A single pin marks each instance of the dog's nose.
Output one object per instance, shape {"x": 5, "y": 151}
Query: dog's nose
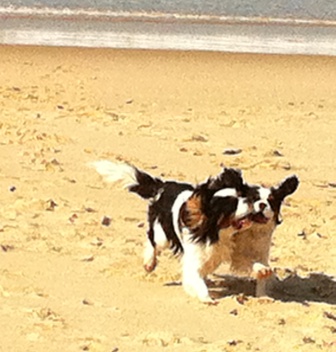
{"x": 262, "y": 206}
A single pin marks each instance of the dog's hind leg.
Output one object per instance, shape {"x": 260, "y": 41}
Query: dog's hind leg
{"x": 150, "y": 260}
{"x": 156, "y": 242}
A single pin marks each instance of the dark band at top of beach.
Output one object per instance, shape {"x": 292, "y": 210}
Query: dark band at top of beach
{"x": 300, "y": 9}
{"x": 250, "y": 26}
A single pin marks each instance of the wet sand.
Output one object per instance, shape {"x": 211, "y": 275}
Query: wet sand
{"x": 68, "y": 283}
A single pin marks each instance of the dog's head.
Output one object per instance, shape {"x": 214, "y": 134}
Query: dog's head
{"x": 267, "y": 201}
{"x": 209, "y": 210}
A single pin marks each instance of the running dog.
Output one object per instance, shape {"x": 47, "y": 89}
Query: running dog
{"x": 193, "y": 220}
{"x": 221, "y": 220}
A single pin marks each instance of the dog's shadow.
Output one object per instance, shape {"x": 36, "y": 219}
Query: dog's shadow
{"x": 317, "y": 287}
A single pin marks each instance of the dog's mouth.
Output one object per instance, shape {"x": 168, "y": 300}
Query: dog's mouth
{"x": 242, "y": 223}
{"x": 259, "y": 218}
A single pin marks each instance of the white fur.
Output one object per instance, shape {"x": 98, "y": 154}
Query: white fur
{"x": 264, "y": 193}
{"x": 192, "y": 280}
{"x": 150, "y": 253}
{"x": 243, "y": 208}
{"x": 179, "y": 201}
{"x": 201, "y": 260}
{"x": 160, "y": 237}
{"x": 262, "y": 273}
{"x": 226, "y": 192}
{"x": 149, "y": 256}
{"x": 113, "y": 172}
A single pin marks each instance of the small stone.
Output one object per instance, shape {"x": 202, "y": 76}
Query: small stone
{"x": 6, "y": 247}
{"x": 88, "y": 259}
{"x": 90, "y": 210}
{"x": 232, "y": 151}
{"x": 277, "y": 153}
{"x": 106, "y": 221}
{"x": 241, "y": 299}
{"x": 73, "y": 217}
{"x": 199, "y": 138}
{"x": 308, "y": 340}
{"x": 286, "y": 166}
{"x": 303, "y": 235}
{"x": 234, "y": 312}
{"x": 329, "y": 315}
{"x": 87, "y": 302}
{"x": 234, "y": 342}
{"x": 51, "y": 205}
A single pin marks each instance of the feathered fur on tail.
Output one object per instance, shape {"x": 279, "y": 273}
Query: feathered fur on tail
{"x": 134, "y": 180}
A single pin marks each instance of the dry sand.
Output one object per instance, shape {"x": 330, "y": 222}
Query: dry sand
{"x": 68, "y": 283}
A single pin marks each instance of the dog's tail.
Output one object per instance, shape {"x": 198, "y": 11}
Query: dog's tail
{"x": 135, "y": 180}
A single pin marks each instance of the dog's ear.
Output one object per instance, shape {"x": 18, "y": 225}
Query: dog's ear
{"x": 192, "y": 213}
{"x": 285, "y": 188}
{"x": 279, "y": 193}
{"x": 228, "y": 178}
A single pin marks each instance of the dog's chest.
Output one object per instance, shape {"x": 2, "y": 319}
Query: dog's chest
{"x": 214, "y": 254}
{"x": 251, "y": 246}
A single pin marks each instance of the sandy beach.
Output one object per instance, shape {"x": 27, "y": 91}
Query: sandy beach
{"x": 69, "y": 283}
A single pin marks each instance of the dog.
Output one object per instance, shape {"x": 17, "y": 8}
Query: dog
{"x": 196, "y": 221}
{"x": 223, "y": 220}
{"x": 248, "y": 250}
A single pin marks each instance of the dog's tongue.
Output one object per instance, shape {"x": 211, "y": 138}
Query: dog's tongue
{"x": 242, "y": 223}
{"x": 260, "y": 218}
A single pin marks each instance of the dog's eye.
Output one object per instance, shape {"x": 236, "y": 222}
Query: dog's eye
{"x": 262, "y": 206}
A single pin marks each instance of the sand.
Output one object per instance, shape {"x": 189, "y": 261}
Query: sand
{"x": 69, "y": 283}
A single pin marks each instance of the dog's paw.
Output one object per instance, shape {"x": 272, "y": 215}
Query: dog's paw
{"x": 209, "y": 301}
{"x": 149, "y": 267}
{"x": 261, "y": 272}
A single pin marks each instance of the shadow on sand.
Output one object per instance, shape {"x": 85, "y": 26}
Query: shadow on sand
{"x": 316, "y": 287}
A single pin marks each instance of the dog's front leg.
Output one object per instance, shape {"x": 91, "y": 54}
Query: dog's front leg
{"x": 261, "y": 273}
{"x": 193, "y": 282}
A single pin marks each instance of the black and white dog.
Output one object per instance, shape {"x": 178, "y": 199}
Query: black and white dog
{"x": 247, "y": 249}
{"x": 207, "y": 223}
{"x": 187, "y": 219}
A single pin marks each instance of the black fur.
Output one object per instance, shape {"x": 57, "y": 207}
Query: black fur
{"x": 164, "y": 193}
{"x": 278, "y": 194}
{"x": 217, "y": 213}
{"x": 228, "y": 178}
{"x": 147, "y": 186}
{"x": 161, "y": 209}
{"x": 287, "y": 187}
